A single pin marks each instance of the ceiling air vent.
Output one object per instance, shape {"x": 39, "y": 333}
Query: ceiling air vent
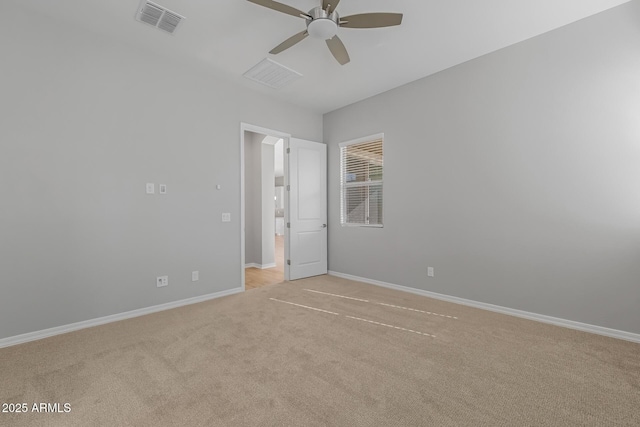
{"x": 272, "y": 74}
{"x": 158, "y": 16}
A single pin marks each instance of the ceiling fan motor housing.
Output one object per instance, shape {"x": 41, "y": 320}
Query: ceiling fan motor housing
{"x": 322, "y": 25}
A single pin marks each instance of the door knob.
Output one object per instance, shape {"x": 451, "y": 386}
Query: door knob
{"x": 323, "y": 226}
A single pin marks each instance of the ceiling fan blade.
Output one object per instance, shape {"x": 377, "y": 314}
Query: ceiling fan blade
{"x": 330, "y": 4}
{"x": 338, "y": 50}
{"x": 371, "y": 20}
{"x": 289, "y": 42}
{"x": 282, "y": 8}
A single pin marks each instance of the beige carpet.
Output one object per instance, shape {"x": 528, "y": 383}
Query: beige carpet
{"x": 255, "y": 359}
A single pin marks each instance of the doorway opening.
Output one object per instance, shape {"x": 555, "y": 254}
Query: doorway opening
{"x": 264, "y": 207}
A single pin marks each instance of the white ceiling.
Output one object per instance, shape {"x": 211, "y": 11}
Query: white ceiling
{"x": 228, "y": 37}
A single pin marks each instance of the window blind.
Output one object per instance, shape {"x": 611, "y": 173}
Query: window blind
{"x": 361, "y": 167}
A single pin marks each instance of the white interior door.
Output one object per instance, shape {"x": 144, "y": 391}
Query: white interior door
{"x": 307, "y": 191}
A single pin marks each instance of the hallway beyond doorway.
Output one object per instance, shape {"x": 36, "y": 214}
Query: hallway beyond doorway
{"x": 255, "y": 277}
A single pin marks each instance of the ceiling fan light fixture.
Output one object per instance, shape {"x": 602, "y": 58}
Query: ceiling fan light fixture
{"x": 323, "y": 23}
{"x": 322, "y": 28}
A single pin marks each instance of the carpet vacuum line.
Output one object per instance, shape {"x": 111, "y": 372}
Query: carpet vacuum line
{"x": 384, "y": 304}
{"x": 355, "y": 318}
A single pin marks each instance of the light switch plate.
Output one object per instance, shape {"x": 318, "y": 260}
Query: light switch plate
{"x": 163, "y": 188}
{"x": 151, "y": 188}
{"x": 195, "y": 276}
{"x": 226, "y": 217}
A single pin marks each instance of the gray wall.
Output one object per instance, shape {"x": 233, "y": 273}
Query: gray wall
{"x": 515, "y": 175}
{"x": 85, "y": 123}
{"x": 253, "y": 197}
{"x": 268, "y": 206}
{"x": 259, "y": 204}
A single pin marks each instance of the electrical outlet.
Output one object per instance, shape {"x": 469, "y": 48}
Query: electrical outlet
{"x": 195, "y": 276}
{"x": 430, "y": 271}
{"x": 162, "y": 281}
{"x": 151, "y": 188}
{"x": 226, "y": 217}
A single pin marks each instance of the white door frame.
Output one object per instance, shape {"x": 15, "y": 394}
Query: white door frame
{"x": 285, "y": 136}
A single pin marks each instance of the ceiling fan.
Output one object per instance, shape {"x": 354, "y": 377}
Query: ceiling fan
{"x": 323, "y": 23}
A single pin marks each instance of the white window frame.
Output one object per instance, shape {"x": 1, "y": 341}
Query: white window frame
{"x": 344, "y": 185}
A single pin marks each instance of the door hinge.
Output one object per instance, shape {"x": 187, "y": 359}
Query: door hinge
{"x": 288, "y": 262}
{"x": 288, "y": 188}
{"x": 288, "y": 150}
{"x": 288, "y": 225}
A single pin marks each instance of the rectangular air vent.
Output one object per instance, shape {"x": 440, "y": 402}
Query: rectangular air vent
{"x": 158, "y": 16}
{"x": 272, "y": 74}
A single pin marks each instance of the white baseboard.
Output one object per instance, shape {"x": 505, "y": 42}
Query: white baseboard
{"x": 585, "y": 327}
{"x": 45, "y": 333}
{"x": 260, "y": 266}
{"x": 272, "y": 265}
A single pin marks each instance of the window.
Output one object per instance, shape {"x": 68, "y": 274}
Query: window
{"x": 361, "y": 164}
